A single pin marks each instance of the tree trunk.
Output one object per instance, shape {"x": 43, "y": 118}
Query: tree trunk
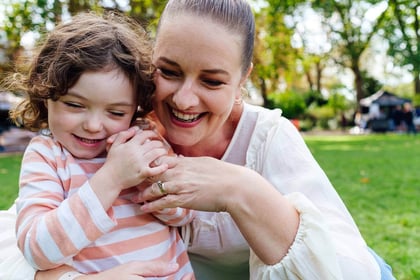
{"x": 263, "y": 88}
{"x": 358, "y": 82}
{"x": 319, "y": 70}
{"x": 309, "y": 79}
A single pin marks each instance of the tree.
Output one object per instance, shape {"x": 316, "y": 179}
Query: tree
{"x": 273, "y": 55}
{"x": 403, "y": 35}
{"x": 22, "y": 17}
{"x": 38, "y": 16}
{"x": 352, "y": 29}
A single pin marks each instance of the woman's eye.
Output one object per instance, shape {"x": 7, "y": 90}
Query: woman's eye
{"x": 168, "y": 73}
{"x": 212, "y": 83}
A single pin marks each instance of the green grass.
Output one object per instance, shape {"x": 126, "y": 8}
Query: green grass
{"x": 378, "y": 178}
{"x": 9, "y": 175}
{"x": 376, "y": 175}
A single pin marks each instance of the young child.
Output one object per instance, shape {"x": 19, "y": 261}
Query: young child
{"x": 91, "y": 79}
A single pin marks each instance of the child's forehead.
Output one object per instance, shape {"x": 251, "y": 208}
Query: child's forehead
{"x": 112, "y": 83}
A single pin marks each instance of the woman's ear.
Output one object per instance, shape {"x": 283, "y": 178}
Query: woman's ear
{"x": 250, "y": 68}
{"x": 246, "y": 76}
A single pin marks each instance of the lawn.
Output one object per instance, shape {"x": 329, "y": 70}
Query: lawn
{"x": 379, "y": 180}
{"x": 376, "y": 175}
{"x": 9, "y": 174}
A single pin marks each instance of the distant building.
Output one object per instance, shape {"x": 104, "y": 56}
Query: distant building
{"x": 379, "y": 108}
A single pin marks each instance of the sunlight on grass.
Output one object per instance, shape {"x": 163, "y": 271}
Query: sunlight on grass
{"x": 377, "y": 178}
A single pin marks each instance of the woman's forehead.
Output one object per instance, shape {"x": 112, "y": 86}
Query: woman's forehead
{"x": 192, "y": 35}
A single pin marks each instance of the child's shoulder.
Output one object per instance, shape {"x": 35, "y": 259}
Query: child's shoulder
{"x": 42, "y": 139}
{"x": 44, "y": 144}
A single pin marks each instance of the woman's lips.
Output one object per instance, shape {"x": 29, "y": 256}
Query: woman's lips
{"x": 184, "y": 117}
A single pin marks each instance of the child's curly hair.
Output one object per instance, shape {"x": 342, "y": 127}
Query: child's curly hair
{"x": 89, "y": 42}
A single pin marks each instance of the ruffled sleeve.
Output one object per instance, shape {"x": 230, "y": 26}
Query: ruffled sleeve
{"x": 312, "y": 254}
{"x": 327, "y": 235}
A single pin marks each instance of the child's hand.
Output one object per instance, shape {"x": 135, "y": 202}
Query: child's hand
{"x": 132, "y": 159}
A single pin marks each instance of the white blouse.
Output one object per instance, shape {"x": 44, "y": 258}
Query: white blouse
{"x": 328, "y": 244}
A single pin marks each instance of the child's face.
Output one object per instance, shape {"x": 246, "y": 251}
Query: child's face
{"x": 98, "y": 105}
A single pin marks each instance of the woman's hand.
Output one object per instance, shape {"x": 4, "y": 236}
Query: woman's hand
{"x": 208, "y": 184}
{"x": 200, "y": 183}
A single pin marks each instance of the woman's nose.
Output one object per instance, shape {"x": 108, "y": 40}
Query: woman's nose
{"x": 186, "y": 96}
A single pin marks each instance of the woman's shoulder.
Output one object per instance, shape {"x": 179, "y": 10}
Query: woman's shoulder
{"x": 266, "y": 120}
{"x": 270, "y": 130}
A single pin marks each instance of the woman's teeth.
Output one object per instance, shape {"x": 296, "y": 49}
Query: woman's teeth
{"x": 185, "y": 117}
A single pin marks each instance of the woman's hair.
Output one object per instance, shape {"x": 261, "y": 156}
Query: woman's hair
{"x": 88, "y": 42}
{"x": 234, "y": 15}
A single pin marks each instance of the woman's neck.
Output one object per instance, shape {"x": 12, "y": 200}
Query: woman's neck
{"x": 198, "y": 150}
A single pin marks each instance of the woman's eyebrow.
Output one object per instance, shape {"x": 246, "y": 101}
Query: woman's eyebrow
{"x": 168, "y": 61}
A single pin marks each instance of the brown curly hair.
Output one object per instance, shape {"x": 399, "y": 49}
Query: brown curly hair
{"x": 89, "y": 42}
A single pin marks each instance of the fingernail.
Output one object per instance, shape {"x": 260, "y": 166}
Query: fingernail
{"x": 173, "y": 266}
{"x": 145, "y": 207}
{"x": 136, "y": 199}
{"x": 157, "y": 162}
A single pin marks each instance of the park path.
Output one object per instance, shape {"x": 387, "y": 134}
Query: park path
{"x": 14, "y": 140}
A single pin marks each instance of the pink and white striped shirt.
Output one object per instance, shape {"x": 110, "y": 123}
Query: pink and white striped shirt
{"x": 60, "y": 219}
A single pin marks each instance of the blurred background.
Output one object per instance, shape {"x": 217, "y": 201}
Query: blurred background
{"x": 317, "y": 60}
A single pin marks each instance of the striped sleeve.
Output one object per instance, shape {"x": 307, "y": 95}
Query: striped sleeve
{"x": 51, "y": 227}
{"x": 175, "y": 217}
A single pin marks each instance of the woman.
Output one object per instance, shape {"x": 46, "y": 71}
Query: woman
{"x": 245, "y": 167}
{"x": 203, "y": 54}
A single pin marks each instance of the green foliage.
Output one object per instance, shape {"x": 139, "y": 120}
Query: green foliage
{"x": 377, "y": 178}
{"x": 370, "y": 84}
{"x": 314, "y": 97}
{"x": 338, "y": 103}
{"x": 291, "y": 103}
{"x": 349, "y": 33}
{"x": 39, "y": 16}
{"x": 416, "y": 100}
{"x": 402, "y": 33}
{"x": 273, "y": 54}
{"x": 9, "y": 176}
{"x": 321, "y": 115}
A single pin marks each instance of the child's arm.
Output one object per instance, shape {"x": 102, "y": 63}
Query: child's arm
{"x": 52, "y": 224}
{"x": 52, "y": 228}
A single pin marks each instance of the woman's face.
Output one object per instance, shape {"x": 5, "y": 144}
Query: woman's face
{"x": 197, "y": 80}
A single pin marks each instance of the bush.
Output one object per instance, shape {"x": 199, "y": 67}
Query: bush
{"x": 291, "y": 103}
{"x": 323, "y": 115}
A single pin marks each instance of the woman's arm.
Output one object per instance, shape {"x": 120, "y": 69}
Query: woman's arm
{"x": 208, "y": 184}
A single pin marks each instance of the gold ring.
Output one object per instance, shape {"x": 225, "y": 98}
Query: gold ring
{"x": 161, "y": 186}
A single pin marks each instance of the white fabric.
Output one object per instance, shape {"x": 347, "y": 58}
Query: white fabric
{"x": 328, "y": 244}
{"x": 12, "y": 264}
{"x": 312, "y": 247}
